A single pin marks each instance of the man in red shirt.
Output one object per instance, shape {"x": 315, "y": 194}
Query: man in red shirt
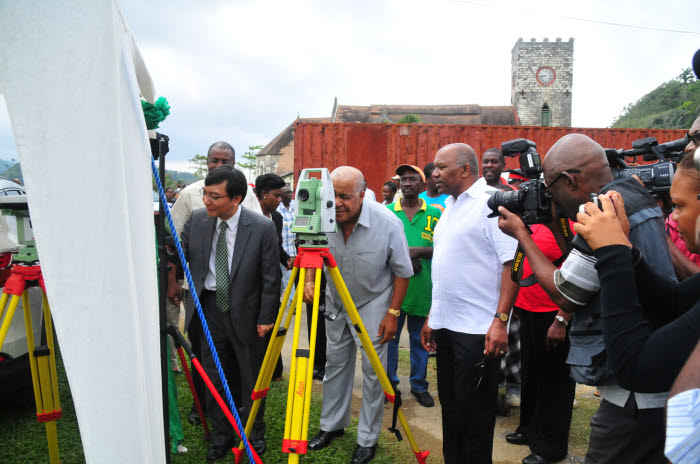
{"x": 547, "y": 391}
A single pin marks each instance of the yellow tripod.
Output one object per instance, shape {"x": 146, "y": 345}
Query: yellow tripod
{"x": 42, "y": 359}
{"x": 301, "y": 370}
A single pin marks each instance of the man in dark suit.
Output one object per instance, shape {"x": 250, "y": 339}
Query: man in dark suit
{"x": 233, "y": 256}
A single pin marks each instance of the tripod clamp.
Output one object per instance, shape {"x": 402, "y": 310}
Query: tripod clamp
{"x": 396, "y": 400}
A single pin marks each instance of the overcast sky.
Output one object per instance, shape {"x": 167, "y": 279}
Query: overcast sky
{"x": 241, "y": 71}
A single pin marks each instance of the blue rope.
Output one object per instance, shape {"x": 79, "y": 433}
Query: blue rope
{"x": 198, "y": 305}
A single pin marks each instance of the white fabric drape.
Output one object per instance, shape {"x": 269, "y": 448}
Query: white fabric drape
{"x": 67, "y": 71}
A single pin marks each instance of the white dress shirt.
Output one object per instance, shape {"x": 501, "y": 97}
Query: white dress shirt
{"x": 210, "y": 280}
{"x": 468, "y": 255}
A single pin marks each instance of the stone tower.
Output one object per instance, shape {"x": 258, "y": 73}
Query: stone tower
{"x": 542, "y": 82}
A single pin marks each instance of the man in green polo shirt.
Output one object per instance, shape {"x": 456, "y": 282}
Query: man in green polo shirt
{"x": 419, "y": 222}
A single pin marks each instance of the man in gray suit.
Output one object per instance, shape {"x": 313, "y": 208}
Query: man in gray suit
{"x": 234, "y": 260}
{"x": 372, "y": 254}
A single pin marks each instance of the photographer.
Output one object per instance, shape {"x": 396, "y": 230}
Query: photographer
{"x": 628, "y": 426}
{"x": 641, "y": 359}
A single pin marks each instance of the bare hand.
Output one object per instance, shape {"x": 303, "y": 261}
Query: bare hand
{"x": 290, "y": 264}
{"x": 264, "y": 329}
{"x": 415, "y": 253}
{"x": 556, "y": 335}
{"x": 511, "y": 224}
{"x": 496, "y": 339}
{"x": 173, "y": 294}
{"x": 309, "y": 292}
{"x": 417, "y": 266}
{"x": 602, "y": 228}
{"x": 426, "y": 338}
{"x": 387, "y": 328}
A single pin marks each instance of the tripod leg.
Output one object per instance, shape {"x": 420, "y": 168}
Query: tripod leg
{"x": 40, "y": 361}
{"x": 293, "y": 366}
{"x": 373, "y": 358}
{"x": 274, "y": 348}
{"x": 5, "y": 327}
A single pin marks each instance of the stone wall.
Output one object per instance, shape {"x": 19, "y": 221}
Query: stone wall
{"x": 528, "y": 96}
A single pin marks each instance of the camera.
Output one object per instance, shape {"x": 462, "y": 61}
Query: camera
{"x": 657, "y": 177}
{"x": 532, "y": 202}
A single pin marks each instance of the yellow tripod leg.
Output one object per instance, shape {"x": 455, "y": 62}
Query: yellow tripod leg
{"x": 5, "y": 327}
{"x": 293, "y": 366}
{"x": 372, "y": 355}
{"x": 3, "y": 303}
{"x": 39, "y": 362}
{"x": 274, "y": 348}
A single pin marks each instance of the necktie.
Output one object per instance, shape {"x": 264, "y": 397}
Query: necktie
{"x": 222, "y": 277}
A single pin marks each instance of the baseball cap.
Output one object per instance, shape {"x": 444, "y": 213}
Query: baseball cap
{"x": 412, "y": 167}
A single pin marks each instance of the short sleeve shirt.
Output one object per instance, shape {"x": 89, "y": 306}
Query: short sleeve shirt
{"x": 419, "y": 233}
{"x": 375, "y": 252}
{"x": 437, "y": 202}
{"x": 469, "y": 252}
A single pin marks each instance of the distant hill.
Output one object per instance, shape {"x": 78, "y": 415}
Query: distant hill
{"x": 6, "y": 164}
{"x": 673, "y": 105}
{"x": 182, "y": 177}
{"x": 12, "y": 172}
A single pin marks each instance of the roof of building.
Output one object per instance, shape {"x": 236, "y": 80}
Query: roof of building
{"x": 428, "y": 114}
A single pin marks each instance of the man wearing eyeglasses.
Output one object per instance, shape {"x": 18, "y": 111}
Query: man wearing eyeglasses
{"x": 234, "y": 261}
{"x": 628, "y": 426}
{"x": 693, "y": 136}
{"x": 188, "y": 200}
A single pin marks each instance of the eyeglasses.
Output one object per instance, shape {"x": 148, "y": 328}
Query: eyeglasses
{"x": 695, "y": 138}
{"x": 213, "y": 197}
{"x": 561, "y": 174}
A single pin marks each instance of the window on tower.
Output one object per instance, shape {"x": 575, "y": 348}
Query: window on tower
{"x": 546, "y": 119}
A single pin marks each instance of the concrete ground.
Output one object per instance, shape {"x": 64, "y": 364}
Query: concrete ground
{"x": 426, "y": 423}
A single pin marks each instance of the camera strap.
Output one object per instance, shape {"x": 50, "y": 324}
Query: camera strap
{"x": 516, "y": 270}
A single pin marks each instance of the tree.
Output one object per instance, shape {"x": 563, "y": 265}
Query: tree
{"x": 686, "y": 76}
{"x": 251, "y": 163}
{"x": 199, "y": 164}
{"x": 410, "y": 118}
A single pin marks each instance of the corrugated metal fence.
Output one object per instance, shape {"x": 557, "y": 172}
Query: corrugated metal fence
{"x": 376, "y": 149}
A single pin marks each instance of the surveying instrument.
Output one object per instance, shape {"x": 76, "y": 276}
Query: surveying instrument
{"x": 24, "y": 274}
{"x": 315, "y": 218}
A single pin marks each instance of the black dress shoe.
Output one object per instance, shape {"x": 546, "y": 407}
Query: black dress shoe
{"x": 217, "y": 453}
{"x": 424, "y": 398}
{"x": 193, "y": 418}
{"x": 260, "y": 446}
{"x": 323, "y": 439}
{"x": 535, "y": 459}
{"x": 318, "y": 374}
{"x": 363, "y": 454}
{"x": 517, "y": 438}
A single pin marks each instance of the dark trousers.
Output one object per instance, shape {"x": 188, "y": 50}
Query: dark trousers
{"x": 194, "y": 334}
{"x": 468, "y": 391}
{"x": 320, "y": 348}
{"x": 626, "y": 434}
{"x": 547, "y": 391}
{"x": 241, "y": 364}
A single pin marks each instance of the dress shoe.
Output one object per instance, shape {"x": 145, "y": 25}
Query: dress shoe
{"x": 323, "y": 439}
{"x": 363, "y": 454}
{"x": 424, "y": 398}
{"x": 217, "y": 453}
{"x": 193, "y": 418}
{"x": 517, "y": 438}
{"x": 535, "y": 459}
{"x": 318, "y": 374}
{"x": 260, "y": 446}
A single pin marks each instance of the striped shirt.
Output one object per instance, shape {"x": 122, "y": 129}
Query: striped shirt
{"x": 683, "y": 428}
{"x": 287, "y": 220}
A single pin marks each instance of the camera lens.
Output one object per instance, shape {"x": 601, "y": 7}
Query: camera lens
{"x": 512, "y": 201}
{"x": 303, "y": 195}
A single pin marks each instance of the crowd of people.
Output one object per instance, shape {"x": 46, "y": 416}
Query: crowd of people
{"x": 618, "y": 310}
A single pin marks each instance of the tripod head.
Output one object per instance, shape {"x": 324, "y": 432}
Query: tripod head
{"x": 315, "y": 216}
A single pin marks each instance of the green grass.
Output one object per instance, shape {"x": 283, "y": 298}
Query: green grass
{"x": 23, "y": 440}
{"x": 580, "y": 430}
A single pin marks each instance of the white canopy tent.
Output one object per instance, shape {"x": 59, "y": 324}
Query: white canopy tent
{"x": 71, "y": 76}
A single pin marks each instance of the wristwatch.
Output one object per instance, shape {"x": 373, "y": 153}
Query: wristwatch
{"x": 502, "y": 316}
{"x": 394, "y": 312}
{"x": 562, "y": 320}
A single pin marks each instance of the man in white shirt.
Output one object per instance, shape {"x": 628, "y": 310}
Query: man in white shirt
{"x": 470, "y": 307}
